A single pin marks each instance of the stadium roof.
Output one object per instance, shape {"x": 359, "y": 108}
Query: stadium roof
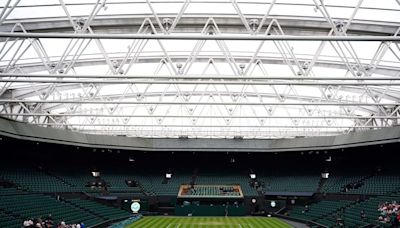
{"x": 201, "y": 68}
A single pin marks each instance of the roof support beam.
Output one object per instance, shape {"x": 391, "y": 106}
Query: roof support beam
{"x": 105, "y": 82}
{"x": 205, "y": 126}
{"x": 192, "y": 77}
{"x": 197, "y": 37}
{"x": 199, "y": 103}
{"x": 195, "y": 116}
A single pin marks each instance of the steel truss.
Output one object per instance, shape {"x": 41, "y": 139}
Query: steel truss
{"x": 197, "y": 37}
{"x": 152, "y": 90}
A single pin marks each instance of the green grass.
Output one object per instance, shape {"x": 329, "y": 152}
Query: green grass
{"x": 208, "y": 222}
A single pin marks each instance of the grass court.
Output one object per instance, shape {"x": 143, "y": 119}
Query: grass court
{"x": 209, "y": 222}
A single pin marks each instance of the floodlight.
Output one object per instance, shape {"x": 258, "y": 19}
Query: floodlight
{"x": 325, "y": 175}
{"x": 253, "y": 176}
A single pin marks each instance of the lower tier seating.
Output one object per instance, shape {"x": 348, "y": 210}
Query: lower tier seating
{"x": 104, "y": 211}
{"x": 14, "y": 209}
{"x": 319, "y": 211}
{"x": 327, "y": 212}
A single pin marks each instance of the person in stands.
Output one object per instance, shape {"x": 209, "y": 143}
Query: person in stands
{"x": 363, "y": 216}
{"x": 62, "y": 224}
{"x": 394, "y": 221}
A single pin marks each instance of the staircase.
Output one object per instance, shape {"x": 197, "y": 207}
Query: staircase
{"x": 142, "y": 190}
{"x": 85, "y": 209}
{"x": 194, "y": 176}
{"x": 331, "y": 216}
{"x": 58, "y": 178}
{"x": 320, "y": 184}
{"x": 360, "y": 181}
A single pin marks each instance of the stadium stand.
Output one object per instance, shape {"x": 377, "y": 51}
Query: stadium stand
{"x": 320, "y": 210}
{"x": 363, "y": 183}
{"x": 63, "y": 190}
{"x": 228, "y": 179}
{"x": 290, "y": 183}
{"x": 106, "y": 212}
{"x": 76, "y": 181}
{"x": 337, "y": 182}
{"x": 38, "y": 205}
{"x": 115, "y": 108}
{"x": 17, "y": 205}
{"x": 328, "y": 212}
{"x": 33, "y": 180}
{"x": 211, "y": 191}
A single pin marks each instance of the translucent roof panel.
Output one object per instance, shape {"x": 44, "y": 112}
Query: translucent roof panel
{"x": 194, "y": 87}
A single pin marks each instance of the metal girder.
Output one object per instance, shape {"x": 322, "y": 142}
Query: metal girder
{"x": 205, "y": 82}
{"x": 197, "y": 37}
{"x": 205, "y": 126}
{"x": 195, "y": 116}
{"x": 195, "y": 77}
{"x": 388, "y": 70}
{"x": 52, "y": 106}
{"x": 199, "y": 93}
{"x": 199, "y": 103}
{"x": 228, "y": 23}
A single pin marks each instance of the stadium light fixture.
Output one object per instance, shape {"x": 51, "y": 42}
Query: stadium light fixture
{"x": 325, "y": 175}
{"x": 253, "y": 176}
{"x": 95, "y": 173}
{"x": 329, "y": 159}
{"x": 168, "y": 175}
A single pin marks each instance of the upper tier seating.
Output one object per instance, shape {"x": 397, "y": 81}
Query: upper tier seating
{"x": 293, "y": 183}
{"x": 379, "y": 184}
{"x": 376, "y": 184}
{"x": 33, "y": 180}
{"x": 289, "y": 181}
{"x": 155, "y": 184}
